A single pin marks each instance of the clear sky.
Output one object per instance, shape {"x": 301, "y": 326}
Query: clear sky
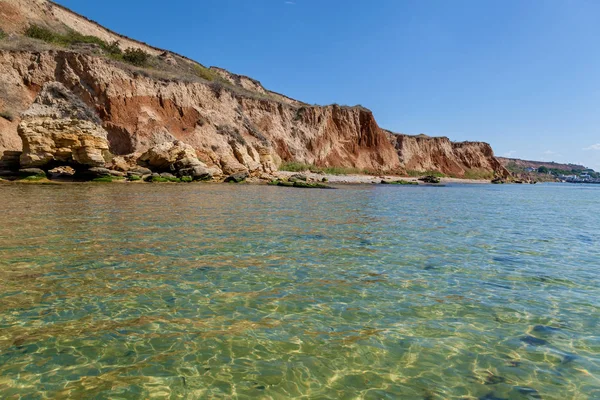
{"x": 523, "y": 75}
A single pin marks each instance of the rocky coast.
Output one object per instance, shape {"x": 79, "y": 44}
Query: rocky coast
{"x": 81, "y": 102}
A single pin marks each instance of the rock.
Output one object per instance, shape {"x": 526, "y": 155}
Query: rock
{"x": 141, "y": 171}
{"x": 298, "y": 177}
{"x": 237, "y": 177}
{"x": 120, "y": 174}
{"x": 7, "y": 173}
{"x": 60, "y": 129}
{"x": 197, "y": 172}
{"x": 121, "y": 163}
{"x": 167, "y": 175}
{"x": 299, "y": 184}
{"x": 306, "y": 185}
{"x": 25, "y": 172}
{"x": 168, "y": 58}
{"x": 498, "y": 181}
{"x": 64, "y": 171}
{"x": 9, "y": 160}
{"x": 174, "y": 154}
{"x": 285, "y": 184}
{"x": 430, "y": 179}
{"x": 401, "y": 182}
{"x": 95, "y": 172}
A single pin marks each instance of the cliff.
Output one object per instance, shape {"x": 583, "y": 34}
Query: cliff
{"x": 523, "y": 164}
{"x": 233, "y": 123}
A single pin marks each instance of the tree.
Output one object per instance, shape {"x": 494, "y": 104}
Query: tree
{"x": 543, "y": 170}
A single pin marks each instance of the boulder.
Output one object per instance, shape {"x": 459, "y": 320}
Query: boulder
{"x": 59, "y": 129}
{"x": 167, "y": 175}
{"x": 197, "y": 172}
{"x": 96, "y": 172}
{"x": 430, "y": 179}
{"x": 119, "y": 174}
{"x": 25, "y": 172}
{"x": 169, "y": 156}
{"x": 64, "y": 171}
{"x": 141, "y": 171}
{"x": 177, "y": 158}
{"x": 238, "y": 177}
{"x": 298, "y": 177}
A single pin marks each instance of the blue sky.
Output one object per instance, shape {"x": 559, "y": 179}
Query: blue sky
{"x": 523, "y": 75}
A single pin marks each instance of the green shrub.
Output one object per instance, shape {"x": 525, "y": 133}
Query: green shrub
{"x": 344, "y": 171}
{"x": 187, "y": 179}
{"x": 2, "y": 34}
{"x": 415, "y": 173}
{"x": 41, "y": 33}
{"x": 7, "y": 116}
{"x": 160, "y": 179}
{"x": 134, "y": 56}
{"x": 295, "y": 167}
{"x": 479, "y": 174}
{"x": 206, "y": 73}
{"x": 134, "y": 178}
{"x": 137, "y": 57}
{"x": 301, "y": 167}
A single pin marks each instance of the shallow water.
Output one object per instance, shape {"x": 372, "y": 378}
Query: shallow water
{"x": 220, "y": 291}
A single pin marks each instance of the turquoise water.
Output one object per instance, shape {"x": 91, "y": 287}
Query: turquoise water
{"x": 218, "y": 291}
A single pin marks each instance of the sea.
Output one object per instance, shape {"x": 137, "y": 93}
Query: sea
{"x": 210, "y": 291}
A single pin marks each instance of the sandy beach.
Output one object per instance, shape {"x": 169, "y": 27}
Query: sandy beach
{"x": 368, "y": 179}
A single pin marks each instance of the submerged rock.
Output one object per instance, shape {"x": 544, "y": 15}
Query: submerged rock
{"x": 400, "y": 182}
{"x": 533, "y": 341}
{"x": 59, "y": 129}
{"x": 299, "y": 184}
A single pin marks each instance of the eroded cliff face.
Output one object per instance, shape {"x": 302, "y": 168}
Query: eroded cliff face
{"x": 230, "y": 131}
{"x": 58, "y": 129}
{"x": 459, "y": 159}
{"x": 231, "y": 121}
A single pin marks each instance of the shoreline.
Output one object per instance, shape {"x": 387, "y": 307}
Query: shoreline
{"x": 350, "y": 179}
{"x": 371, "y": 179}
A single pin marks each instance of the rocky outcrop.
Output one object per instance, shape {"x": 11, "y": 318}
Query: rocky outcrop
{"x": 59, "y": 129}
{"x": 459, "y": 159}
{"x": 176, "y": 157}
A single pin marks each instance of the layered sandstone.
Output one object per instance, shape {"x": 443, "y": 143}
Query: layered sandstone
{"x": 59, "y": 129}
{"x": 424, "y": 153}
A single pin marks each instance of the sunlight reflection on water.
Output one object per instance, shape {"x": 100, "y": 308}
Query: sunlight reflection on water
{"x": 196, "y": 291}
